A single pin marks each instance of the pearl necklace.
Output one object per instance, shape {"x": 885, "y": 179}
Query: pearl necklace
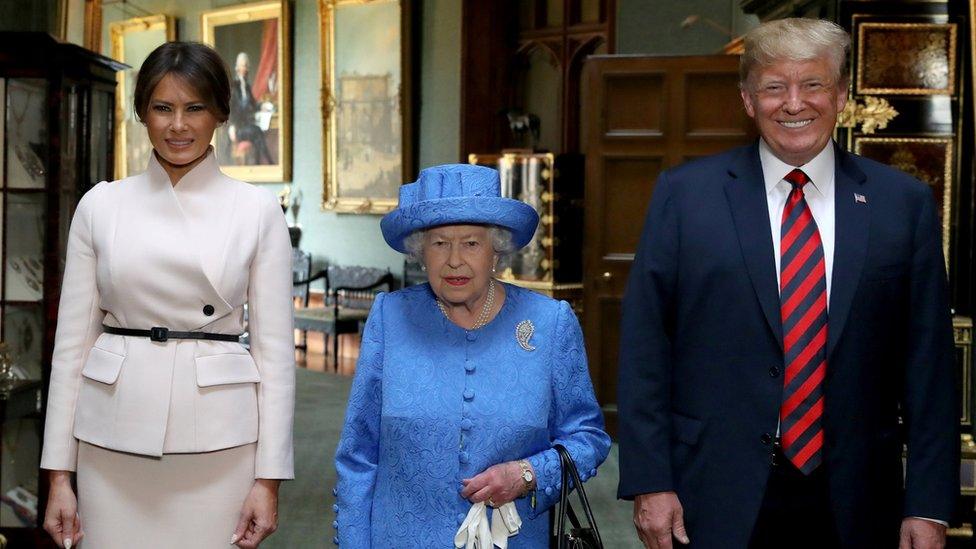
{"x": 485, "y": 308}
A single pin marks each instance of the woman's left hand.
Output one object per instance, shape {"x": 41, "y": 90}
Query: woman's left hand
{"x": 259, "y": 516}
{"x": 500, "y": 483}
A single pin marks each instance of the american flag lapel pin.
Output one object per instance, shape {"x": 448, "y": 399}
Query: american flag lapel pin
{"x": 860, "y": 198}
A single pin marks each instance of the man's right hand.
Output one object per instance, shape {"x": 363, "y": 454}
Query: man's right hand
{"x": 658, "y": 518}
{"x": 61, "y": 519}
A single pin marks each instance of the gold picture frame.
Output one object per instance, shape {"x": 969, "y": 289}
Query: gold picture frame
{"x": 132, "y": 41}
{"x": 254, "y": 40}
{"x": 365, "y": 104}
{"x": 929, "y": 159}
{"x": 888, "y": 55}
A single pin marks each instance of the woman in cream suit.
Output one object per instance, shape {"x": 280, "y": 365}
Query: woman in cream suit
{"x": 178, "y": 435}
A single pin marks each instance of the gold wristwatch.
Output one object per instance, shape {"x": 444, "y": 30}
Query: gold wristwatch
{"x": 527, "y": 476}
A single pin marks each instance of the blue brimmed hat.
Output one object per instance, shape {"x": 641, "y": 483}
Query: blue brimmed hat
{"x": 457, "y": 194}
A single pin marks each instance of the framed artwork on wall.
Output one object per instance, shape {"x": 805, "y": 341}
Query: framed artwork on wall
{"x": 366, "y": 98}
{"x": 928, "y": 159}
{"x": 906, "y": 58}
{"x": 132, "y": 41}
{"x": 253, "y": 39}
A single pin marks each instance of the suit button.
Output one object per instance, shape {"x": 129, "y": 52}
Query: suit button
{"x": 766, "y": 439}
{"x": 208, "y": 310}
{"x": 460, "y": 518}
{"x": 773, "y": 371}
{"x": 468, "y": 394}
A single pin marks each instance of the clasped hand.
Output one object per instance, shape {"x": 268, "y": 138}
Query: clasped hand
{"x": 499, "y": 483}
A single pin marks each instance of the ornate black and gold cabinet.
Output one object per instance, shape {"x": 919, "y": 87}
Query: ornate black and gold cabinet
{"x": 551, "y": 263}
{"x": 56, "y": 106}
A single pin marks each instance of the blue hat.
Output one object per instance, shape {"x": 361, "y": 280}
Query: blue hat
{"x": 457, "y": 194}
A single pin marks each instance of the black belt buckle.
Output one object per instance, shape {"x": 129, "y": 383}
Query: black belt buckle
{"x": 158, "y": 333}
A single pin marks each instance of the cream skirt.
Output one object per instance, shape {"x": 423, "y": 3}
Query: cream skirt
{"x": 190, "y": 501}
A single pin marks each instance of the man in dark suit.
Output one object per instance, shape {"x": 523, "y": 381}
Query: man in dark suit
{"x": 243, "y": 107}
{"x": 786, "y": 329}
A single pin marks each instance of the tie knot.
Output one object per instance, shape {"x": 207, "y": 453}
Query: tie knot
{"x": 797, "y": 178}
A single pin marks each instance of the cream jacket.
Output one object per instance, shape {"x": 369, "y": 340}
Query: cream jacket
{"x": 143, "y": 253}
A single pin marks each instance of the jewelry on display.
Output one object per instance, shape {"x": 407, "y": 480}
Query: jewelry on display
{"x": 485, "y": 308}
{"x": 25, "y": 155}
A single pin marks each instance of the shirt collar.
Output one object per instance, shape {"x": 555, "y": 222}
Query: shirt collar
{"x": 203, "y": 171}
{"x": 820, "y": 169}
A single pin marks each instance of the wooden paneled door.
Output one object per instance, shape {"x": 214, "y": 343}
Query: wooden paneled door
{"x": 641, "y": 115}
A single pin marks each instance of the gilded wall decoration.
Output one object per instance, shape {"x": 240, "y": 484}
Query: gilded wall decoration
{"x": 132, "y": 41}
{"x": 253, "y": 39}
{"x": 363, "y": 98}
{"x": 873, "y": 115}
{"x": 928, "y": 159}
{"x": 906, "y": 58}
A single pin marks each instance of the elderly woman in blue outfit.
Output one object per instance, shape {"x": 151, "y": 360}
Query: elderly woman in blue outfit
{"x": 464, "y": 384}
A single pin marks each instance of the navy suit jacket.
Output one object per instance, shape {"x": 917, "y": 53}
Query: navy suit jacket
{"x": 701, "y": 355}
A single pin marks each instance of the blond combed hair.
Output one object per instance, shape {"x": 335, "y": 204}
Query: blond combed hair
{"x": 795, "y": 39}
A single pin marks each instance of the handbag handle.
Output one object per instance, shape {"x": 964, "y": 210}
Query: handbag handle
{"x": 569, "y": 472}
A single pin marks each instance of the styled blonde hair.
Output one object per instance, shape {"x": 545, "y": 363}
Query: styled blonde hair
{"x": 795, "y": 39}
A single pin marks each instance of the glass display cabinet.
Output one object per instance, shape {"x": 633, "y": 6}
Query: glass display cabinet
{"x": 56, "y": 107}
{"x": 552, "y": 262}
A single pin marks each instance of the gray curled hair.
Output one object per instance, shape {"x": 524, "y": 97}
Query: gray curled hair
{"x": 795, "y": 39}
{"x": 501, "y": 242}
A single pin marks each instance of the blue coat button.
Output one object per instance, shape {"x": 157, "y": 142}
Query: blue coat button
{"x": 469, "y": 367}
{"x": 463, "y": 458}
{"x": 335, "y": 524}
{"x": 335, "y": 540}
{"x": 468, "y": 394}
{"x": 548, "y": 490}
{"x": 466, "y": 424}
{"x": 460, "y": 518}
{"x": 471, "y": 336}
{"x": 335, "y": 508}
{"x": 592, "y": 472}
{"x": 335, "y": 491}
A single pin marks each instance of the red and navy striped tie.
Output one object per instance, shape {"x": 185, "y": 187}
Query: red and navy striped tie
{"x": 803, "y": 298}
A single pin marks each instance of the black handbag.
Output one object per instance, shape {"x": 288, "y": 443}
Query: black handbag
{"x": 579, "y": 536}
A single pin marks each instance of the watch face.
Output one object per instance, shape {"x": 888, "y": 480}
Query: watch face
{"x": 527, "y": 476}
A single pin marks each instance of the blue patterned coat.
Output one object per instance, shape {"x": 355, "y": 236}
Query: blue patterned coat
{"x": 432, "y": 404}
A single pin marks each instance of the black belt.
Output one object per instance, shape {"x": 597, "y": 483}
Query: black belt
{"x": 158, "y": 333}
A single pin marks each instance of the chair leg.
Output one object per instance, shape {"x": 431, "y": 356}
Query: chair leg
{"x": 335, "y": 350}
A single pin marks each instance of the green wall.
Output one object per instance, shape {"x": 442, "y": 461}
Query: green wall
{"x": 643, "y": 26}
{"x": 344, "y": 239}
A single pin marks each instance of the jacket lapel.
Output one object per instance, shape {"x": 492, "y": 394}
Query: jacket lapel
{"x": 185, "y": 239}
{"x": 851, "y": 222}
{"x": 746, "y": 194}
